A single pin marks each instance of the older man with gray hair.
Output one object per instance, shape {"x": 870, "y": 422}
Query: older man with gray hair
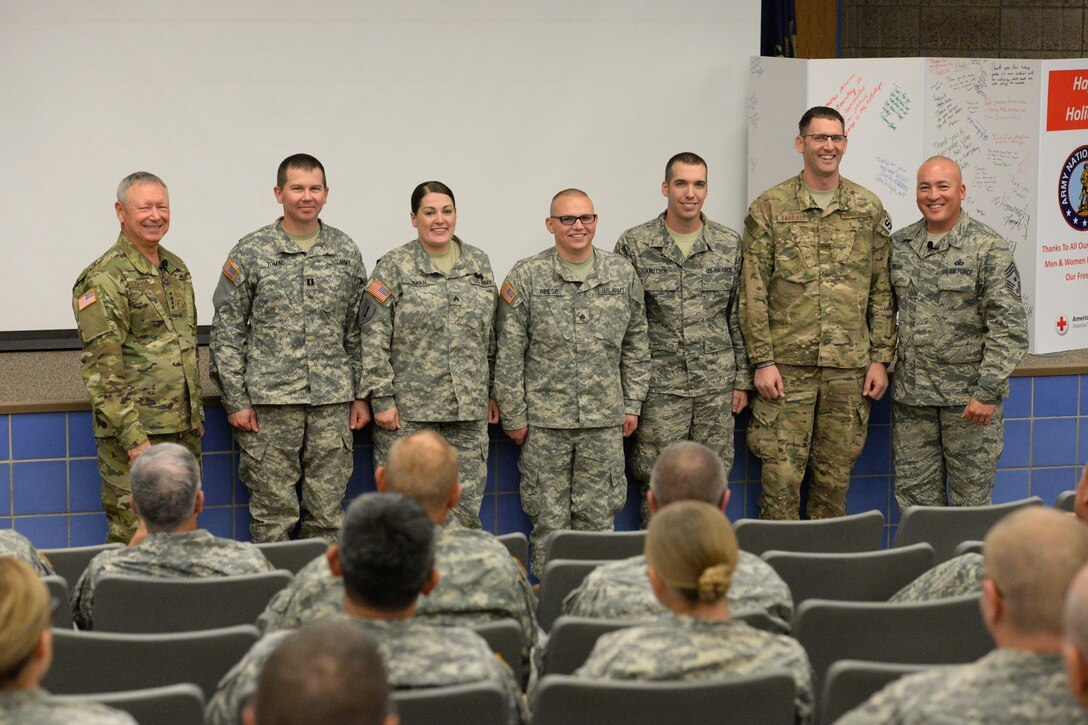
{"x": 166, "y": 496}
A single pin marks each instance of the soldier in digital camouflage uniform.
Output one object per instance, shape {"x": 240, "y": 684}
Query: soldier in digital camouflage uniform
{"x": 621, "y": 590}
{"x": 571, "y": 373}
{"x": 385, "y": 556}
{"x": 819, "y": 323}
{"x": 287, "y": 357}
{"x": 12, "y": 543}
{"x": 953, "y": 578}
{"x": 1032, "y": 556}
{"x": 136, "y": 314}
{"x": 166, "y": 494}
{"x": 689, "y": 267}
{"x": 429, "y": 343}
{"x": 962, "y": 331}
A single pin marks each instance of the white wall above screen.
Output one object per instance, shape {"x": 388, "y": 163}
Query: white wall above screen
{"x": 507, "y": 102}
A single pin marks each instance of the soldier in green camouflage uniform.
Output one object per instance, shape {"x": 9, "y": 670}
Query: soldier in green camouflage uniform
{"x": 166, "y": 494}
{"x": 962, "y": 331}
{"x": 12, "y": 543}
{"x": 819, "y": 322}
{"x": 136, "y": 314}
{"x": 689, "y": 267}
{"x": 571, "y": 373}
{"x": 429, "y": 343}
{"x": 287, "y": 357}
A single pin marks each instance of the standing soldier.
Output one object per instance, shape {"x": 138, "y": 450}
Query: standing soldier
{"x": 287, "y": 357}
{"x": 689, "y": 267}
{"x": 136, "y": 314}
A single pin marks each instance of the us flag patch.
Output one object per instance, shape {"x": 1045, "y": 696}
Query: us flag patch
{"x": 87, "y": 299}
{"x": 380, "y": 291}
{"x": 508, "y": 292}
{"x": 230, "y": 269}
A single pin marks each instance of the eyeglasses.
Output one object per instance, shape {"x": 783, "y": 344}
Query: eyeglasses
{"x": 823, "y": 137}
{"x": 568, "y": 220}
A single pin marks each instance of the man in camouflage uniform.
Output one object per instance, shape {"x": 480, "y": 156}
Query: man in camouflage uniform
{"x": 684, "y": 471}
{"x": 1032, "y": 556}
{"x": 12, "y": 543}
{"x": 167, "y": 497}
{"x": 571, "y": 373}
{"x": 962, "y": 331}
{"x": 136, "y": 314}
{"x": 386, "y": 557}
{"x": 819, "y": 322}
{"x": 287, "y": 357}
{"x": 688, "y": 266}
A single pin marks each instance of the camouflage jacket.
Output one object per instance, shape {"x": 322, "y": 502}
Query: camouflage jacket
{"x": 190, "y": 554}
{"x": 815, "y": 285}
{"x": 953, "y": 578}
{"x": 962, "y": 328}
{"x": 12, "y": 543}
{"x": 286, "y": 327}
{"x": 428, "y": 337}
{"x": 692, "y": 308}
{"x": 137, "y": 323}
{"x": 571, "y": 354}
{"x": 34, "y": 707}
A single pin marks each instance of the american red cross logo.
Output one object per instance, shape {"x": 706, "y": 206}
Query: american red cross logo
{"x": 1061, "y": 324}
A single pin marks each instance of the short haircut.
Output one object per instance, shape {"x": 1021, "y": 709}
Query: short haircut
{"x": 819, "y": 112}
{"x": 326, "y": 673}
{"x": 423, "y": 466}
{"x": 692, "y": 548}
{"x": 684, "y": 157}
{"x": 1031, "y": 556}
{"x": 386, "y": 550}
{"x": 430, "y": 187}
{"x": 688, "y": 471}
{"x": 1076, "y": 612}
{"x": 302, "y": 162}
{"x": 137, "y": 177}
{"x": 165, "y": 480}
{"x": 24, "y": 615}
{"x": 567, "y": 192}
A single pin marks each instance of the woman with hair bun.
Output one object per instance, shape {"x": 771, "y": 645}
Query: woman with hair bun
{"x": 691, "y": 552}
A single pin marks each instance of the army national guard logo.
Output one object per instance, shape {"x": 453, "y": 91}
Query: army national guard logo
{"x": 1073, "y": 190}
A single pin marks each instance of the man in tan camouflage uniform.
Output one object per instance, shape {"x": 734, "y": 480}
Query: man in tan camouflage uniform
{"x": 688, "y": 266}
{"x": 819, "y": 322}
{"x": 962, "y": 331}
{"x": 287, "y": 356}
{"x": 12, "y": 543}
{"x": 136, "y": 314}
{"x": 167, "y": 497}
{"x": 571, "y": 374}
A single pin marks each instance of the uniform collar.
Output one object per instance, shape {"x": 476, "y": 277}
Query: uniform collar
{"x": 919, "y": 235}
{"x": 140, "y": 262}
{"x": 663, "y": 240}
{"x": 594, "y": 277}
{"x": 465, "y": 267}
{"x": 285, "y": 245}
{"x": 843, "y": 197}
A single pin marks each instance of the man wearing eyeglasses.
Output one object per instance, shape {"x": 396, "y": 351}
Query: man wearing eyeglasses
{"x": 571, "y": 373}
{"x": 819, "y": 321}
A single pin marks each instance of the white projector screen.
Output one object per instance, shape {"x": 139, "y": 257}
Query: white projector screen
{"x": 507, "y": 102}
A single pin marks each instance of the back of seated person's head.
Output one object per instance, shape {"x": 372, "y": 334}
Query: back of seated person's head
{"x": 386, "y": 550}
{"x": 691, "y": 546}
{"x": 165, "y": 485}
{"x": 24, "y": 617}
{"x": 1076, "y": 636}
{"x": 688, "y": 471}
{"x": 423, "y": 466}
{"x": 327, "y": 673}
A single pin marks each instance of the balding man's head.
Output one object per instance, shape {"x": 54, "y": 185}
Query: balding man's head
{"x": 1076, "y": 636}
{"x": 423, "y": 466}
{"x": 688, "y": 471}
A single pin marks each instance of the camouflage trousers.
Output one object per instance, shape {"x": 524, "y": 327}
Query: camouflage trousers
{"x": 308, "y": 445}
{"x": 666, "y": 419}
{"x": 570, "y": 479}
{"x": 116, "y": 488}
{"x": 819, "y": 425}
{"x": 931, "y": 443}
{"x": 469, "y": 439}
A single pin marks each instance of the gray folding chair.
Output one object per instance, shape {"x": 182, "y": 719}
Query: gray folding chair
{"x": 504, "y": 637}
{"x": 572, "y": 639}
{"x": 71, "y": 562}
{"x": 1065, "y": 500}
{"x": 968, "y": 547}
{"x": 517, "y": 544}
{"x": 478, "y": 703}
{"x": 944, "y": 527}
{"x": 851, "y": 682}
{"x": 561, "y": 577}
{"x": 181, "y": 704}
{"x": 156, "y": 604}
{"x": 844, "y": 534}
{"x": 293, "y": 555}
{"x": 595, "y": 544}
{"x": 58, "y": 591}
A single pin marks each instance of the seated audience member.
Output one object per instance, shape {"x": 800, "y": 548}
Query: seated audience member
{"x": 691, "y": 553}
{"x": 26, "y": 650}
{"x": 167, "y": 498}
{"x": 1075, "y": 647}
{"x": 12, "y": 543}
{"x": 327, "y": 673}
{"x": 386, "y": 559}
{"x": 620, "y": 590}
{"x": 1031, "y": 558}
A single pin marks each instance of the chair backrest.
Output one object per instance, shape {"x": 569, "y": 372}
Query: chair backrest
{"x": 572, "y": 639}
{"x": 766, "y": 698}
{"x": 86, "y": 662}
{"x": 1065, "y": 500}
{"x": 58, "y": 590}
{"x": 71, "y": 562}
{"x": 870, "y": 576}
{"x": 856, "y": 532}
{"x": 293, "y": 555}
{"x": 944, "y": 527}
{"x": 561, "y": 577}
{"x": 517, "y": 544}
{"x": 156, "y": 604}
{"x": 181, "y": 704}
{"x": 477, "y": 703}
{"x": 504, "y": 637}
{"x": 968, "y": 547}
{"x": 595, "y": 544}
{"x": 852, "y": 682}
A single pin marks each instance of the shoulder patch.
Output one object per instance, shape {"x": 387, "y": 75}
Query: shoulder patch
{"x": 87, "y": 299}
{"x": 508, "y": 292}
{"x": 379, "y": 291}
{"x": 230, "y": 269}
{"x": 888, "y": 222}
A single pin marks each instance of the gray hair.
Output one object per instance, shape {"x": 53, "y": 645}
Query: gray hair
{"x": 136, "y": 177}
{"x": 165, "y": 480}
{"x": 688, "y": 471}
